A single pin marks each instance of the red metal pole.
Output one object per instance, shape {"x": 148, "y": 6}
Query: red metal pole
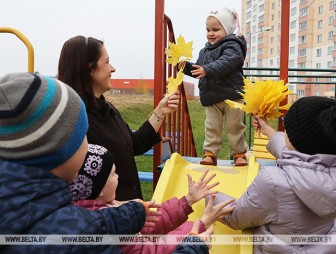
{"x": 284, "y": 49}
{"x": 159, "y": 77}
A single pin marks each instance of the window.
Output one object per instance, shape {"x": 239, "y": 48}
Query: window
{"x": 331, "y": 5}
{"x": 291, "y": 63}
{"x": 303, "y": 25}
{"x": 273, "y": 6}
{"x": 292, "y": 24}
{"x": 330, "y": 35}
{"x": 303, "y": 39}
{"x": 319, "y": 38}
{"x": 330, "y": 49}
{"x": 320, "y": 9}
{"x": 302, "y": 65}
{"x": 329, "y": 64}
{"x": 271, "y": 51}
{"x": 317, "y": 93}
{"x": 302, "y": 52}
{"x": 260, "y": 40}
{"x": 331, "y": 19}
{"x": 261, "y": 18}
{"x": 292, "y": 50}
{"x": 318, "y": 52}
{"x": 271, "y": 62}
{"x": 272, "y": 39}
{"x": 260, "y": 51}
{"x": 319, "y": 24}
{"x": 293, "y": 11}
{"x": 304, "y": 12}
{"x": 272, "y": 17}
{"x": 318, "y": 65}
{"x": 292, "y": 37}
{"x": 261, "y": 8}
{"x": 301, "y": 93}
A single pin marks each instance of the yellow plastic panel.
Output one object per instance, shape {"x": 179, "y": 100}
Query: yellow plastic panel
{"x": 173, "y": 182}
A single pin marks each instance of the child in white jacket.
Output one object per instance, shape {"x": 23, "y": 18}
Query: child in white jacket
{"x": 297, "y": 196}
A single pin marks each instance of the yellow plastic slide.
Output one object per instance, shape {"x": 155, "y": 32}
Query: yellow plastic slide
{"x": 173, "y": 182}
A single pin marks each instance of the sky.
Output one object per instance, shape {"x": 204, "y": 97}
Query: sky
{"x": 125, "y": 26}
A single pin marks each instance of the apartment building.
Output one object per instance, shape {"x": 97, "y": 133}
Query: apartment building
{"x": 312, "y": 41}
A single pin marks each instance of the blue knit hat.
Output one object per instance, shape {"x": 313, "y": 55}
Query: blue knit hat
{"x": 42, "y": 120}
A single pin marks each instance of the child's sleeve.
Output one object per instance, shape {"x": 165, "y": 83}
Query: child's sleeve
{"x": 128, "y": 218}
{"x": 256, "y": 207}
{"x": 276, "y": 144}
{"x": 174, "y": 212}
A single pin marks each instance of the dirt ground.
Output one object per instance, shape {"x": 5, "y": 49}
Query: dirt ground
{"x": 120, "y": 100}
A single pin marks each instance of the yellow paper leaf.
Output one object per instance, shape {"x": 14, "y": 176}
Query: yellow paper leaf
{"x": 179, "y": 52}
{"x": 173, "y": 83}
{"x": 263, "y": 98}
{"x": 234, "y": 104}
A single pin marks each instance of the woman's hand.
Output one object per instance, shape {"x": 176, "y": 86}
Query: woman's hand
{"x": 213, "y": 213}
{"x": 200, "y": 189}
{"x": 167, "y": 105}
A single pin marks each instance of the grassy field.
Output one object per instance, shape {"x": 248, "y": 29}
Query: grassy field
{"x": 136, "y": 113}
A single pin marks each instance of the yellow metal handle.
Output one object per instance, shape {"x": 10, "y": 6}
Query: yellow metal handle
{"x": 25, "y": 40}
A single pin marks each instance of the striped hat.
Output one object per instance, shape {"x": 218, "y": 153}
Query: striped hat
{"x": 42, "y": 120}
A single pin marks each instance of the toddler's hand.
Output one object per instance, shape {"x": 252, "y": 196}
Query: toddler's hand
{"x": 213, "y": 213}
{"x": 200, "y": 189}
{"x": 198, "y": 71}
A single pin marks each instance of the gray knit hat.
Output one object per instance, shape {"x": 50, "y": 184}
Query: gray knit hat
{"x": 42, "y": 120}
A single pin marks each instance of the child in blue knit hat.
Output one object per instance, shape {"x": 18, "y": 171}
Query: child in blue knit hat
{"x": 43, "y": 144}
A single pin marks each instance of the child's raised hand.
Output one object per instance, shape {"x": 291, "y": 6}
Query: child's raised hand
{"x": 213, "y": 213}
{"x": 200, "y": 189}
{"x": 152, "y": 216}
{"x": 205, "y": 236}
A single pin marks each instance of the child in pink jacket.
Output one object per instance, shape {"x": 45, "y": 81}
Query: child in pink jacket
{"x": 94, "y": 189}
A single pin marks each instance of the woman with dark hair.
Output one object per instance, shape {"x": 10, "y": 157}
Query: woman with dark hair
{"x": 84, "y": 65}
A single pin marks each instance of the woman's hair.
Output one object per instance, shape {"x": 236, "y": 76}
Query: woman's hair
{"x": 78, "y": 58}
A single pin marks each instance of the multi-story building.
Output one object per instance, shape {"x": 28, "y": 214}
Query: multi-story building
{"x": 312, "y": 40}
